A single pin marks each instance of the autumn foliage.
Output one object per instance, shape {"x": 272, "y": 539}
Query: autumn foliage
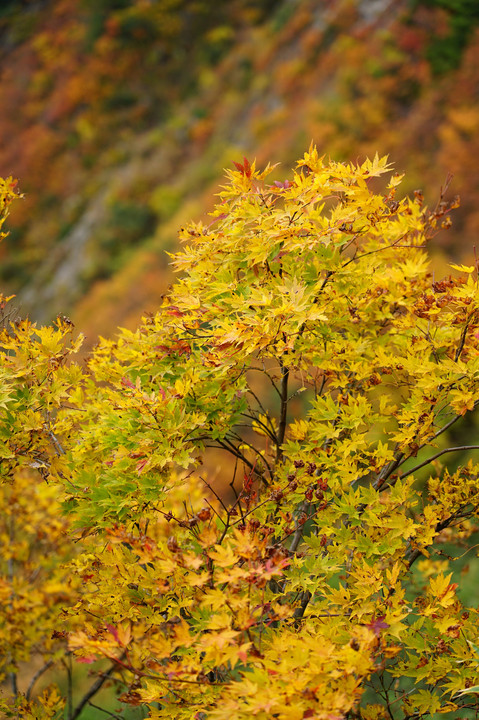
{"x": 262, "y": 511}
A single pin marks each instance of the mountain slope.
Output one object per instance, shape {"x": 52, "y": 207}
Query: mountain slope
{"x": 120, "y": 116}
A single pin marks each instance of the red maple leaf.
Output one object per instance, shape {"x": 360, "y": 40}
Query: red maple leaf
{"x": 244, "y": 169}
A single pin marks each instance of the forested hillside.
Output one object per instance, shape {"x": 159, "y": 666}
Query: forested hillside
{"x": 119, "y": 116}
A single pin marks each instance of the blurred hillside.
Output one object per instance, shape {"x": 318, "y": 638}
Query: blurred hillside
{"x": 118, "y": 117}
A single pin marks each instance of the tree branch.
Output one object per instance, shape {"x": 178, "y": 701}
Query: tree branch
{"x": 265, "y": 427}
{"x": 283, "y": 411}
{"x": 438, "y": 454}
{"x": 387, "y": 471}
{"x": 231, "y": 447}
{"x": 305, "y": 598}
{"x": 402, "y": 458}
{"x": 412, "y": 555}
{"x": 462, "y": 340}
{"x": 100, "y": 681}
{"x": 38, "y": 674}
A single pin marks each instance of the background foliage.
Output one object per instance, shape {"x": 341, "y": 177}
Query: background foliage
{"x": 140, "y": 106}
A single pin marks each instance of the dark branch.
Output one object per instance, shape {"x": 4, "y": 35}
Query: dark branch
{"x": 100, "y": 681}
{"x": 459, "y": 448}
{"x": 283, "y": 411}
{"x": 387, "y": 471}
{"x": 462, "y": 341}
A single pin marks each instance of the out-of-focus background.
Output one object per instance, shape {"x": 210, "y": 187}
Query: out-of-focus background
{"x": 118, "y": 117}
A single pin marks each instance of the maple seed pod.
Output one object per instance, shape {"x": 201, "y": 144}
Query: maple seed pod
{"x": 298, "y": 464}
{"x": 277, "y": 495}
{"x": 204, "y": 514}
{"x": 162, "y": 586}
{"x": 172, "y": 544}
{"x": 441, "y": 647}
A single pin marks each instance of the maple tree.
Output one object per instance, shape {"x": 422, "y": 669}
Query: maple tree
{"x": 267, "y": 517}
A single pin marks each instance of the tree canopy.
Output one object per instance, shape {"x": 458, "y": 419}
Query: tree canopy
{"x": 267, "y": 510}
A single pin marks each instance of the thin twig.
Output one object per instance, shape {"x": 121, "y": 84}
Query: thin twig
{"x": 260, "y": 404}
{"x": 212, "y": 490}
{"x": 38, "y": 674}
{"x": 57, "y": 444}
{"x": 107, "y": 712}
{"x": 412, "y": 555}
{"x": 462, "y": 340}
{"x": 438, "y": 454}
{"x": 263, "y": 370}
{"x": 230, "y": 447}
{"x": 215, "y": 511}
{"x": 402, "y": 458}
{"x": 262, "y": 424}
{"x": 260, "y": 455}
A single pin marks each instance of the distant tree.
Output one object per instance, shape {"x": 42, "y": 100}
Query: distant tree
{"x": 445, "y": 52}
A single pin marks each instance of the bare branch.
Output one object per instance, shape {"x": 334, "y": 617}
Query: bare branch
{"x": 265, "y": 427}
{"x": 229, "y": 445}
{"x": 212, "y": 490}
{"x": 263, "y": 370}
{"x": 100, "y": 681}
{"x": 459, "y": 448}
{"x": 260, "y": 404}
{"x": 38, "y": 674}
